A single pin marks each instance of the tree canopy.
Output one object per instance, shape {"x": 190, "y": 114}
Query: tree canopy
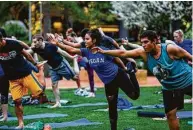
{"x": 153, "y": 14}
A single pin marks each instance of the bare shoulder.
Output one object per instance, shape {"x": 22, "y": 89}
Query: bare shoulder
{"x": 171, "y": 48}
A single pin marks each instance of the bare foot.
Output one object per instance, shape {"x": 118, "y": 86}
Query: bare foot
{"x": 20, "y": 127}
{"x": 56, "y": 105}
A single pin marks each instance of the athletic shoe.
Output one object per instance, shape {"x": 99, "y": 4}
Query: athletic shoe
{"x": 3, "y": 119}
{"x": 88, "y": 88}
{"x": 187, "y": 100}
{"x": 84, "y": 93}
{"x": 78, "y": 91}
{"x": 91, "y": 94}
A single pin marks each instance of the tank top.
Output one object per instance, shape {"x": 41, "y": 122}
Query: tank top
{"x": 172, "y": 74}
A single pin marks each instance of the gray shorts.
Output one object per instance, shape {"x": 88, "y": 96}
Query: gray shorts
{"x": 63, "y": 70}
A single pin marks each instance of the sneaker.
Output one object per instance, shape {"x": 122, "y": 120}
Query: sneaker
{"x": 90, "y": 95}
{"x": 84, "y": 93}
{"x": 88, "y": 88}
{"x": 3, "y": 119}
{"x": 187, "y": 100}
{"x": 78, "y": 92}
{"x": 56, "y": 105}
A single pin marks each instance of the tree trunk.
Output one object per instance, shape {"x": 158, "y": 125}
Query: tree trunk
{"x": 46, "y": 28}
{"x": 46, "y": 18}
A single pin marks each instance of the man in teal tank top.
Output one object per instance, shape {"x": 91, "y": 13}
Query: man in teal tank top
{"x": 166, "y": 62}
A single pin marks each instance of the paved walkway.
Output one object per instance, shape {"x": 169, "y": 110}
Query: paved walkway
{"x": 151, "y": 81}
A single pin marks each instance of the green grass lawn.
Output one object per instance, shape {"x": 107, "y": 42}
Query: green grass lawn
{"x": 126, "y": 118}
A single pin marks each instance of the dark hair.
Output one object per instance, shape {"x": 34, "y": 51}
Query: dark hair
{"x": 38, "y": 37}
{"x": 3, "y": 32}
{"x": 83, "y": 32}
{"x": 95, "y": 34}
{"x": 150, "y": 34}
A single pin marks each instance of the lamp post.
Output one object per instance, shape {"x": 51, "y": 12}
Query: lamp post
{"x": 29, "y": 17}
{"x": 41, "y": 15}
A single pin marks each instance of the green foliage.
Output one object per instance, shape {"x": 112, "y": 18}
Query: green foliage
{"x": 16, "y": 31}
{"x": 91, "y": 12}
{"x": 188, "y": 34}
{"x": 70, "y": 8}
{"x": 11, "y": 10}
{"x": 159, "y": 23}
{"x": 99, "y": 12}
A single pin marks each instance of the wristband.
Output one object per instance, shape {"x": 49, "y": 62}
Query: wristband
{"x": 35, "y": 63}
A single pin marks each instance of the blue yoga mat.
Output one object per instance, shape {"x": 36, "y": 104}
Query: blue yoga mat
{"x": 150, "y": 114}
{"x": 79, "y": 105}
{"x": 137, "y": 107}
{"x": 8, "y": 128}
{"x": 184, "y": 114}
{"x": 86, "y": 105}
{"x": 180, "y": 114}
{"x": 38, "y": 116}
{"x": 80, "y": 122}
{"x": 189, "y": 122}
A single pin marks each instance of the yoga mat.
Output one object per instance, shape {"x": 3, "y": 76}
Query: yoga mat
{"x": 38, "y": 116}
{"x": 180, "y": 114}
{"x": 129, "y": 129}
{"x": 8, "y": 128}
{"x": 78, "y": 105}
{"x": 150, "y": 114}
{"x": 138, "y": 107}
{"x": 80, "y": 122}
{"x": 86, "y": 105}
{"x": 103, "y": 109}
{"x": 189, "y": 122}
{"x": 184, "y": 114}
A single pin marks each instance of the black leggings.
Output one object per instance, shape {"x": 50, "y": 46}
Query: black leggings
{"x": 111, "y": 89}
{"x": 4, "y": 89}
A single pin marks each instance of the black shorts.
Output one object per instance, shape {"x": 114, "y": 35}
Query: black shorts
{"x": 175, "y": 98}
{"x": 4, "y": 89}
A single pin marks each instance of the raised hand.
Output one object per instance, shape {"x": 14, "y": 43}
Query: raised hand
{"x": 41, "y": 64}
{"x": 59, "y": 37}
{"x": 51, "y": 38}
{"x": 124, "y": 41}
